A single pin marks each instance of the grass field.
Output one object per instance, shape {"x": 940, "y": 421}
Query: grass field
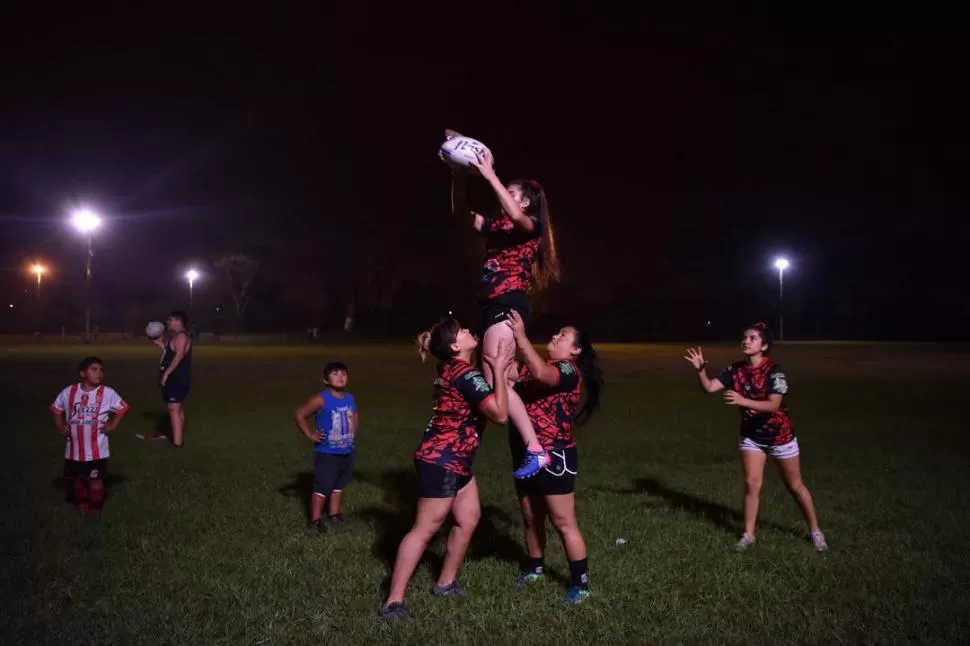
{"x": 207, "y": 545}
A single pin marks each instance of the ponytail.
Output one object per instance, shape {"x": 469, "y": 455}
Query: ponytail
{"x": 547, "y": 264}
{"x": 589, "y": 367}
{"x": 424, "y": 344}
{"x": 438, "y": 340}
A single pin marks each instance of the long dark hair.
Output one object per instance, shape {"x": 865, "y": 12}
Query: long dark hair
{"x": 589, "y": 367}
{"x": 438, "y": 340}
{"x": 547, "y": 269}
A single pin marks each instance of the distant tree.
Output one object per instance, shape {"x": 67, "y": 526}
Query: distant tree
{"x": 239, "y": 271}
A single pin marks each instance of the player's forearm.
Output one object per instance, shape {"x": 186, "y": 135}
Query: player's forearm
{"x": 509, "y": 207}
{"x": 761, "y": 406}
{"x": 459, "y": 201}
{"x": 539, "y": 369}
{"x": 706, "y": 384}
{"x": 301, "y": 425}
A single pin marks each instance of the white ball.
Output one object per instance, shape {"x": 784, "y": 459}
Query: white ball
{"x": 462, "y": 151}
{"x": 154, "y": 329}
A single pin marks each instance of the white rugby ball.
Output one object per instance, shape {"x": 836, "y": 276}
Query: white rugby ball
{"x": 154, "y": 329}
{"x": 461, "y": 151}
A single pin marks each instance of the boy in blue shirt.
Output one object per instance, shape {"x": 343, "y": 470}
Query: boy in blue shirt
{"x": 337, "y": 421}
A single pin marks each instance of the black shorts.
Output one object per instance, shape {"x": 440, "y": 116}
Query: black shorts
{"x": 495, "y": 310}
{"x": 558, "y": 478}
{"x": 332, "y": 472}
{"x": 95, "y": 469}
{"x": 434, "y": 481}
{"x": 175, "y": 393}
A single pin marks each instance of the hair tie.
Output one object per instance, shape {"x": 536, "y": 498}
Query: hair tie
{"x": 534, "y": 184}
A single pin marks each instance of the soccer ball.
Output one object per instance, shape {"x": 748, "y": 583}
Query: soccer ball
{"x": 461, "y": 151}
{"x": 154, "y": 329}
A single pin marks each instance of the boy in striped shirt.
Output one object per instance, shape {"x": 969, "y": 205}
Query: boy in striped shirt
{"x": 84, "y": 413}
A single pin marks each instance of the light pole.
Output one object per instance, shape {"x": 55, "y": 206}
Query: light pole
{"x": 191, "y": 276}
{"x": 781, "y": 264}
{"x": 86, "y": 222}
{"x": 39, "y": 270}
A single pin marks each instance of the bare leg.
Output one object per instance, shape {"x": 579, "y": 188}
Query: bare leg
{"x": 335, "y": 502}
{"x": 753, "y": 465}
{"x": 176, "y": 415}
{"x": 316, "y": 506}
{"x": 562, "y": 513}
{"x": 431, "y": 514}
{"x": 534, "y": 519}
{"x": 517, "y": 412}
{"x": 791, "y": 473}
{"x": 466, "y": 511}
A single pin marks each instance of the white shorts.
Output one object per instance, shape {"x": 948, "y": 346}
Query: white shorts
{"x": 777, "y": 451}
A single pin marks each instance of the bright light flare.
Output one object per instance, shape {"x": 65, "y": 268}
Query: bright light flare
{"x": 781, "y": 264}
{"x": 86, "y": 220}
{"x": 192, "y": 275}
{"x": 38, "y": 269}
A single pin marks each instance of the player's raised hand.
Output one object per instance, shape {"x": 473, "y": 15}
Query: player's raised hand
{"x": 503, "y": 357}
{"x": 451, "y": 134}
{"x": 695, "y": 357}
{"x": 485, "y": 164}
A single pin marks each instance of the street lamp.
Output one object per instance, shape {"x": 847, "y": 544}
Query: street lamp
{"x": 781, "y": 264}
{"x": 86, "y": 222}
{"x": 39, "y": 270}
{"x": 191, "y": 275}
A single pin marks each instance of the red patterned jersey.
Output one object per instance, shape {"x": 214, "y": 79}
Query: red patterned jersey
{"x": 455, "y": 430}
{"x": 510, "y": 254}
{"x": 552, "y": 410}
{"x": 757, "y": 382}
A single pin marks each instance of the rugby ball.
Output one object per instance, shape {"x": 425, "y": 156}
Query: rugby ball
{"x": 461, "y": 151}
{"x": 154, "y": 329}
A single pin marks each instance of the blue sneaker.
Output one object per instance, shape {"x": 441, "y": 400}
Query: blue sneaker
{"x": 528, "y": 578}
{"x": 576, "y": 595}
{"x": 533, "y": 464}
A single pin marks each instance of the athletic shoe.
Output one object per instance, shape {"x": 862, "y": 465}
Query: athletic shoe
{"x": 528, "y": 577}
{"x": 395, "y": 612}
{"x": 318, "y": 526}
{"x": 450, "y": 590}
{"x": 533, "y": 464}
{"x": 747, "y": 540}
{"x": 576, "y": 595}
{"x": 336, "y": 519}
{"x": 818, "y": 541}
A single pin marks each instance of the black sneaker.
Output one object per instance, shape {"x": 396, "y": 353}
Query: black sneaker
{"x": 395, "y": 612}
{"x": 318, "y": 526}
{"x": 450, "y": 590}
{"x": 336, "y": 519}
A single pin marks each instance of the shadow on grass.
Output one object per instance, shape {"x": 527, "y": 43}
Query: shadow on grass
{"x": 725, "y": 518}
{"x": 394, "y": 519}
{"x": 161, "y": 423}
{"x": 302, "y": 488}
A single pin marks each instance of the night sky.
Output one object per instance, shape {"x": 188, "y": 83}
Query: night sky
{"x": 680, "y": 152}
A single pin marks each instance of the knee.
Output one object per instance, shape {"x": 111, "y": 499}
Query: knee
{"x": 565, "y": 525}
{"x": 797, "y": 488}
{"x": 469, "y": 518}
{"x": 752, "y": 484}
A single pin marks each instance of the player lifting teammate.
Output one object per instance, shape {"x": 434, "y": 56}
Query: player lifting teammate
{"x": 520, "y": 256}
{"x": 551, "y": 389}
{"x": 463, "y": 402}
{"x": 757, "y": 386}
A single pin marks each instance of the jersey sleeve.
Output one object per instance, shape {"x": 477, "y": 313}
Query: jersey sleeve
{"x": 116, "y": 404}
{"x": 777, "y": 381}
{"x": 568, "y": 376}
{"x": 473, "y": 387}
{"x": 726, "y": 377}
{"x": 60, "y": 404}
{"x": 496, "y": 225}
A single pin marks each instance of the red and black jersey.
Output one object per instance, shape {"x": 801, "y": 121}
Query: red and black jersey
{"x": 457, "y": 423}
{"x": 510, "y": 254}
{"x": 552, "y": 410}
{"x": 757, "y": 382}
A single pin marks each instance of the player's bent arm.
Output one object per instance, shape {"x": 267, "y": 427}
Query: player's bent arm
{"x": 114, "y": 421}
{"x": 709, "y": 385}
{"x": 770, "y": 406}
{"x": 546, "y": 375}
{"x": 311, "y": 407}
{"x": 181, "y": 347}
{"x": 496, "y": 408}
{"x": 60, "y": 423}
{"x": 511, "y": 209}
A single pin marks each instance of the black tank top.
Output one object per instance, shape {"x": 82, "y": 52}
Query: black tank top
{"x": 183, "y": 372}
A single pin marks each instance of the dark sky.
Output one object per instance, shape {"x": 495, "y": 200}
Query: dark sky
{"x": 681, "y": 148}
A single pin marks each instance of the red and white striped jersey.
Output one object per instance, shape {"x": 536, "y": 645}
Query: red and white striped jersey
{"x": 87, "y": 414}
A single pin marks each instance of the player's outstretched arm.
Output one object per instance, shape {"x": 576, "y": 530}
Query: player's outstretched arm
{"x": 509, "y": 207}
{"x": 695, "y": 357}
{"x": 311, "y": 407}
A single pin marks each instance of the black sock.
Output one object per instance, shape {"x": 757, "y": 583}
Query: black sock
{"x": 534, "y": 565}
{"x": 579, "y": 573}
